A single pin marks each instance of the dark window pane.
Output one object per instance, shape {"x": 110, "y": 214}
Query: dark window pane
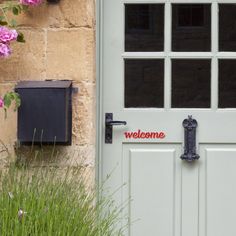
{"x": 227, "y": 27}
{"x": 191, "y": 83}
{"x": 144, "y": 83}
{"x": 198, "y": 16}
{"x": 227, "y": 83}
{"x": 191, "y": 27}
{"x": 144, "y": 27}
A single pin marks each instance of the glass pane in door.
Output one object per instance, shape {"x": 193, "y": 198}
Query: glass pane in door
{"x": 144, "y": 83}
{"x": 191, "y": 27}
{"x": 191, "y": 80}
{"x": 227, "y": 27}
{"x": 227, "y": 83}
{"x": 144, "y": 27}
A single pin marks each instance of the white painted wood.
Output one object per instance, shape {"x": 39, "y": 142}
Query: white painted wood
{"x": 202, "y": 1}
{"x": 221, "y": 191}
{"x": 179, "y": 1}
{"x": 170, "y": 197}
{"x": 155, "y": 198}
{"x": 167, "y": 45}
{"x": 173, "y": 54}
{"x": 217, "y": 190}
{"x": 190, "y": 191}
{"x": 215, "y": 48}
{"x": 160, "y": 163}
{"x": 176, "y": 55}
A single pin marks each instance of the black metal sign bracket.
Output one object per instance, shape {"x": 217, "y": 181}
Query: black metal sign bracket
{"x": 190, "y": 126}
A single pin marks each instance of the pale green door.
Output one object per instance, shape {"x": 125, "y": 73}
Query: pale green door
{"x": 160, "y": 62}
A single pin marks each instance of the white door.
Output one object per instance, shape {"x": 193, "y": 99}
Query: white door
{"x": 162, "y": 61}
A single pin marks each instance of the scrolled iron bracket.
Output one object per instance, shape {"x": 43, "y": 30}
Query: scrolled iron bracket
{"x": 190, "y": 126}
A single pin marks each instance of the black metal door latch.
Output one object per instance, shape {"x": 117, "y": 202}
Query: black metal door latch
{"x": 190, "y": 126}
{"x": 109, "y": 122}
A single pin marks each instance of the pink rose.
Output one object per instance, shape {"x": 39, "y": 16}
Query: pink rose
{"x": 1, "y": 102}
{"x": 30, "y": 2}
{"x": 7, "y": 35}
{"x": 5, "y": 50}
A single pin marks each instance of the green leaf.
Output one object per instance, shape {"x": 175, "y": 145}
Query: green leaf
{"x": 3, "y": 23}
{"x": 20, "y": 38}
{"x": 17, "y": 100}
{"x": 13, "y": 23}
{"x": 15, "y": 11}
{"x": 5, "y": 111}
{"x": 7, "y": 100}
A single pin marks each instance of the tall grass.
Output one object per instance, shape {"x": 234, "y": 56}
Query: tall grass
{"x": 51, "y": 202}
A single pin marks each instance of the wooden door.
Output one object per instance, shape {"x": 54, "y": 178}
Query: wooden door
{"x": 161, "y": 62}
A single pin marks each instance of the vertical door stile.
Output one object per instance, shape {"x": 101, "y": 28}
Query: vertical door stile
{"x": 167, "y": 49}
{"x": 190, "y": 193}
{"x": 214, "y": 70}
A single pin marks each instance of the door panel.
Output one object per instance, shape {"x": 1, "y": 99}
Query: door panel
{"x": 151, "y": 206}
{"x": 170, "y": 197}
{"x": 221, "y": 190}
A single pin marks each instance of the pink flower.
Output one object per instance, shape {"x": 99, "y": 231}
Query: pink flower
{"x": 7, "y": 35}
{"x": 30, "y": 2}
{"x": 1, "y": 102}
{"x": 5, "y": 50}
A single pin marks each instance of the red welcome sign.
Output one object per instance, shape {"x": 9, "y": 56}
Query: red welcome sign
{"x": 144, "y": 135}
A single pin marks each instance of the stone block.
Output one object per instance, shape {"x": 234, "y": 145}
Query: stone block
{"x": 85, "y": 89}
{"x": 67, "y": 13}
{"x": 78, "y": 12}
{"x": 27, "y": 61}
{"x": 71, "y": 54}
{"x": 84, "y": 131}
{"x": 58, "y": 156}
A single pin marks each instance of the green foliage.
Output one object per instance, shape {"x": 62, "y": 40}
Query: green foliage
{"x": 51, "y": 202}
{"x": 11, "y": 97}
{"x": 8, "y": 99}
{"x": 16, "y": 9}
{"x": 20, "y": 37}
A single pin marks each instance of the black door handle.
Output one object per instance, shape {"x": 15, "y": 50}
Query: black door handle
{"x": 109, "y": 122}
{"x": 115, "y": 122}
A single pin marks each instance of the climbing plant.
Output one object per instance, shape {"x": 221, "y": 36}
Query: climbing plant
{"x": 8, "y": 24}
{"x": 8, "y": 34}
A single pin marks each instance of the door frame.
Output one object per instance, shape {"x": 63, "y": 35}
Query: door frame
{"x": 99, "y": 82}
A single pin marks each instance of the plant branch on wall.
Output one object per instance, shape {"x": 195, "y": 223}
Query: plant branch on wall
{"x": 8, "y": 34}
{"x": 8, "y": 26}
{"x": 8, "y": 99}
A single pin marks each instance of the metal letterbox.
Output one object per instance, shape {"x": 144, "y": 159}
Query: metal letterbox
{"x": 45, "y": 114}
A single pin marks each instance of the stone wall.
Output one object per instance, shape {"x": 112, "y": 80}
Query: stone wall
{"x": 60, "y": 44}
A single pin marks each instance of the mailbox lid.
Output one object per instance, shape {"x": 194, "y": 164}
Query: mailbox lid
{"x": 44, "y": 84}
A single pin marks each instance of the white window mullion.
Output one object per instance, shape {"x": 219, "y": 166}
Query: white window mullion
{"x": 215, "y": 49}
{"x": 226, "y": 1}
{"x": 226, "y": 55}
{"x": 143, "y": 55}
{"x": 190, "y": 1}
{"x": 167, "y": 50}
{"x": 191, "y": 55}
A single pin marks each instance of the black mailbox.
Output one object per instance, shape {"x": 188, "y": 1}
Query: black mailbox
{"x": 45, "y": 114}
